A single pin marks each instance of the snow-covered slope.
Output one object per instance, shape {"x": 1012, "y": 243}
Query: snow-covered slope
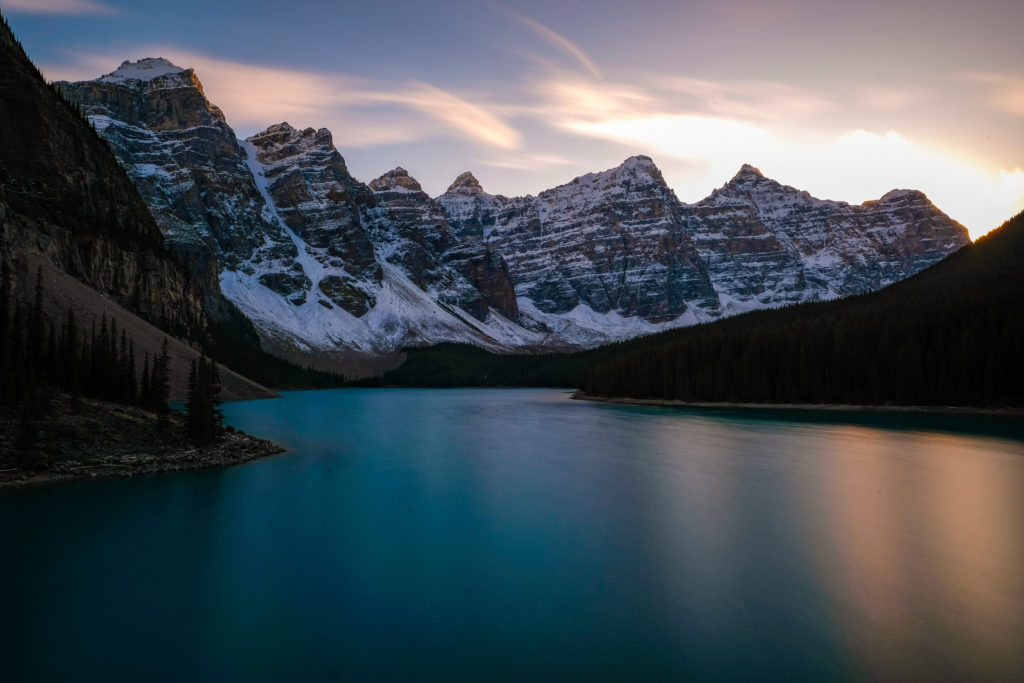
{"x": 375, "y": 304}
{"x": 320, "y": 261}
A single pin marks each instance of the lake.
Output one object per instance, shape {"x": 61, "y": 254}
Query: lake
{"x": 516, "y": 534}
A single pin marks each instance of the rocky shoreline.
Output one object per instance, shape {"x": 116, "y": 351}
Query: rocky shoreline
{"x": 108, "y": 440}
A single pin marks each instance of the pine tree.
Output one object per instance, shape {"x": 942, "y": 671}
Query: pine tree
{"x": 214, "y": 393}
{"x": 192, "y": 409}
{"x": 145, "y": 393}
{"x": 203, "y": 416}
{"x": 131, "y": 395}
{"x": 5, "y": 329}
{"x": 160, "y": 382}
{"x": 35, "y": 340}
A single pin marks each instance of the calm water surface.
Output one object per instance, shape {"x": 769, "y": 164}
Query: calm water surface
{"x": 447, "y": 534}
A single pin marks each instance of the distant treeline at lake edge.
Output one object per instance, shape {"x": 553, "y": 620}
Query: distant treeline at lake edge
{"x": 951, "y": 335}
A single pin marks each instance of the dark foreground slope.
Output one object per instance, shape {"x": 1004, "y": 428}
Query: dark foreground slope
{"x": 67, "y": 206}
{"x": 951, "y": 335}
{"x": 64, "y": 197}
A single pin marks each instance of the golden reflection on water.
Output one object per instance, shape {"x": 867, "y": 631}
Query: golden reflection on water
{"x": 925, "y": 544}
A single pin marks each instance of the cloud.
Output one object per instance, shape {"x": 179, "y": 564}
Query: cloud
{"x": 56, "y": 7}
{"x": 708, "y": 129}
{"x": 756, "y": 99}
{"x": 468, "y": 119}
{"x": 855, "y": 166}
{"x": 359, "y": 112}
{"x": 1006, "y": 91}
{"x": 558, "y": 40}
{"x": 527, "y": 162}
{"x": 890, "y": 99}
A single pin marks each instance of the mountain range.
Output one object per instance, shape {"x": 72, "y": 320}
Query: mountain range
{"x": 321, "y": 261}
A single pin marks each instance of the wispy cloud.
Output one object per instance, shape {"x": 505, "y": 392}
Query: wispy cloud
{"x": 890, "y": 99}
{"x": 360, "y": 113}
{"x": 754, "y": 99}
{"x": 527, "y": 162}
{"x": 1006, "y": 91}
{"x": 558, "y": 40}
{"x": 713, "y": 127}
{"x": 57, "y": 7}
{"x": 468, "y": 119}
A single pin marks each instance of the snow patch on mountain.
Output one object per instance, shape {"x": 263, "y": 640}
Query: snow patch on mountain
{"x": 143, "y": 70}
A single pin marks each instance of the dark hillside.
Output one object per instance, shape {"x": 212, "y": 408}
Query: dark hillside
{"x": 64, "y": 197}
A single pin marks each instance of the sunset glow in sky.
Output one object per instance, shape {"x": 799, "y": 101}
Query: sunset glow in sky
{"x": 844, "y": 100}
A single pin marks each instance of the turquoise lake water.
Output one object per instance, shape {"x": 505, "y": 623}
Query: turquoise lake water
{"x": 516, "y": 534}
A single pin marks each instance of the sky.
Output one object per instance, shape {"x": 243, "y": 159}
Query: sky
{"x": 846, "y": 100}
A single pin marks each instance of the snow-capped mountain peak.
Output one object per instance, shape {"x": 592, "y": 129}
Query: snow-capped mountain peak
{"x": 640, "y": 162}
{"x": 397, "y": 180}
{"x": 636, "y": 169}
{"x": 145, "y": 69}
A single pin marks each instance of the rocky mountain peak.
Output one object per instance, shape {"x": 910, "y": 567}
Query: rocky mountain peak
{"x": 466, "y": 183}
{"x": 636, "y": 174}
{"x": 284, "y": 128}
{"x": 748, "y": 171}
{"x": 910, "y": 196}
{"x": 639, "y": 162}
{"x": 397, "y": 180}
{"x": 145, "y": 69}
{"x": 282, "y": 139}
{"x": 750, "y": 179}
{"x": 638, "y": 166}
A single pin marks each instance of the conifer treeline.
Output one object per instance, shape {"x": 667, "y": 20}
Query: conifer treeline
{"x": 38, "y": 356}
{"x": 204, "y": 418}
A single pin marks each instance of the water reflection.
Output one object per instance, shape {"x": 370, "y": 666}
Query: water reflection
{"x": 483, "y": 534}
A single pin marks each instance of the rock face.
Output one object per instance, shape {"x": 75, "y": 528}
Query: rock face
{"x": 418, "y": 238}
{"x": 379, "y": 266}
{"x": 315, "y": 195}
{"x": 188, "y": 166}
{"x": 321, "y": 261}
{"x": 619, "y": 241}
{"x": 64, "y": 197}
{"x": 768, "y": 244}
{"x": 612, "y": 241}
{"x": 308, "y": 186}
